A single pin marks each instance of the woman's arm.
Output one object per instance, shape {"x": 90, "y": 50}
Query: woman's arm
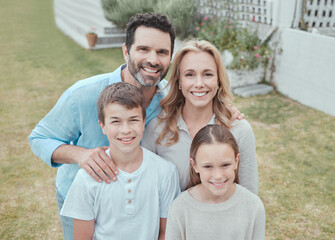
{"x": 83, "y": 229}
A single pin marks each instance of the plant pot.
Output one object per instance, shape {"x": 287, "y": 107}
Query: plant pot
{"x": 91, "y": 39}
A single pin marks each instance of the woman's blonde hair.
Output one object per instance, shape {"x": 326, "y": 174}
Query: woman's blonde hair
{"x": 173, "y": 103}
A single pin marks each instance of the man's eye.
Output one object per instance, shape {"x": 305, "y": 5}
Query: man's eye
{"x": 163, "y": 52}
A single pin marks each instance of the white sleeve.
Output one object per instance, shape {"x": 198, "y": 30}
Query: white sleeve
{"x": 79, "y": 202}
{"x": 259, "y": 227}
{"x": 248, "y": 170}
{"x": 170, "y": 189}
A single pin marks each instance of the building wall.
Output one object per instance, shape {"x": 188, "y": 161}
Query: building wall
{"x": 305, "y": 70}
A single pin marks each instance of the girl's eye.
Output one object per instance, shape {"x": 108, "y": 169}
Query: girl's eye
{"x": 207, "y": 166}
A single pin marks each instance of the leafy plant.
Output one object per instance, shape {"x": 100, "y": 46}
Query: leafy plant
{"x": 182, "y": 13}
{"x": 245, "y": 46}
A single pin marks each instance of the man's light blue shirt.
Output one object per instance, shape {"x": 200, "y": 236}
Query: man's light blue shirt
{"x": 74, "y": 120}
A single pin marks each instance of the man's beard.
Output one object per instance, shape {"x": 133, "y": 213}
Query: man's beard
{"x": 146, "y": 81}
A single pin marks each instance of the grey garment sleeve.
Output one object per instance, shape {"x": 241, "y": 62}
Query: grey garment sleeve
{"x": 150, "y": 136}
{"x": 174, "y": 227}
{"x": 259, "y": 227}
{"x": 248, "y": 170}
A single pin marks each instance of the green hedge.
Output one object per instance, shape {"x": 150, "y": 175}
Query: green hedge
{"x": 182, "y": 13}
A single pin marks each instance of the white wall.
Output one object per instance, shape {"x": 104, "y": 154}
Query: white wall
{"x": 305, "y": 70}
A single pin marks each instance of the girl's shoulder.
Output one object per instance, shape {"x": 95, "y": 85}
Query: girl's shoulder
{"x": 249, "y": 198}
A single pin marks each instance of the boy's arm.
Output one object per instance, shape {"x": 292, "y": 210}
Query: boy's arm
{"x": 83, "y": 229}
{"x": 162, "y": 227}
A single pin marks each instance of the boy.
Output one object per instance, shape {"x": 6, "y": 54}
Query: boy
{"x": 136, "y": 205}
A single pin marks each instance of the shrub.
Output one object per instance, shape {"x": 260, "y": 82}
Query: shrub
{"x": 182, "y": 13}
{"x": 243, "y": 44}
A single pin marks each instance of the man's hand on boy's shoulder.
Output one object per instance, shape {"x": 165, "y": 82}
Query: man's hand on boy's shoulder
{"x": 98, "y": 164}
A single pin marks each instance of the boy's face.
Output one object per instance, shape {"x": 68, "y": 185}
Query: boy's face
{"x": 123, "y": 127}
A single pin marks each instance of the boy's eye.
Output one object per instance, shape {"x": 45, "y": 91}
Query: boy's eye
{"x": 115, "y": 121}
{"x": 226, "y": 164}
{"x": 134, "y": 120}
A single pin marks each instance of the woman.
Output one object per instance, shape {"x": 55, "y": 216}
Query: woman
{"x": 199, "y": 95}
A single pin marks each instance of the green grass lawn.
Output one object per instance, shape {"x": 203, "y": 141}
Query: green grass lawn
{"x": 295, "y": 144}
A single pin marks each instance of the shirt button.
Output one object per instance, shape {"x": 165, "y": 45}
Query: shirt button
{"x": 129, "y": 180}
{"x": 129, "y": 201}
{"x": 129, "y": 191}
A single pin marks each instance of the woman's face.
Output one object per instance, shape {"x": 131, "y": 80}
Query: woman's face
{"x": 198, "y": 79}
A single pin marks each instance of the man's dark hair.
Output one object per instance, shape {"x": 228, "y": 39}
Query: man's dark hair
{"x": 153, "y": 20}
{"x": 121, "y": 93}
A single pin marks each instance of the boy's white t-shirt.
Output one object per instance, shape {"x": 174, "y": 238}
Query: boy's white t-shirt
{"x": 129, "y": 208}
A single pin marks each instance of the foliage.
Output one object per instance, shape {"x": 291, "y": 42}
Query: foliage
{"x": 182, "y": 13}
{"x": 244, "y": 44}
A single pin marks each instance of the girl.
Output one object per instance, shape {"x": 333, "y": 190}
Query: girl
{"x": 199, "y": 95}
{"x": 215, "y": 206}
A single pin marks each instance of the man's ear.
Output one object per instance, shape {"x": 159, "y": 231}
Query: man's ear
{"x": 125, "y": 53}
{"x": 102, "y": 127}
{"x": 194, "y": 165}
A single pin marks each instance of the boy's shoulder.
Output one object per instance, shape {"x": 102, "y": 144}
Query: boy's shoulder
{"x": 160, "y": 164}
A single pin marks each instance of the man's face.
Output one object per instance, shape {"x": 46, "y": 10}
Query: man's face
{"x": 149, "y": 56}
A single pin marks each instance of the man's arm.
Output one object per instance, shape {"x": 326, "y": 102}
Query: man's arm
{"x": 236, "y": 114}
{"x": 52, "y": 136}
{"x": 83, "y": 230}
{"x": 162, "y": 227}
{"x": 95, "y": 161}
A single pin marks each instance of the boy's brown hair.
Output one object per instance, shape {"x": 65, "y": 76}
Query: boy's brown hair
{"x": 122, "y": 93}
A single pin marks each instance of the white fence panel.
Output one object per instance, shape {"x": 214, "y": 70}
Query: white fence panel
{"x": 305, "y": 70}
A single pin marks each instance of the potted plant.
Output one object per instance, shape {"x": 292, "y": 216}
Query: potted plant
{"x": 91, "y": 37}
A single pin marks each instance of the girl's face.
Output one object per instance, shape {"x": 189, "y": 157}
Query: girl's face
{"x": 198, "y": 79}
{"x": 215, "y": 164}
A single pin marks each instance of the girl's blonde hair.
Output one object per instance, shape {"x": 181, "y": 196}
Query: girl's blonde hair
{"x": 208, "y": 135}
{"x": 173, "y": 103}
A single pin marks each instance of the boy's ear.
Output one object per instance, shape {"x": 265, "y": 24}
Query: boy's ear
{"x": 194, "y": 165}
{"x": 237, "y": 161}
{"x": 102, "y": 127}
{"x": 125, "y": 53}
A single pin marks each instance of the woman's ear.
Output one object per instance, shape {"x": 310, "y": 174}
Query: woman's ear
{"x": 194, "y": 165}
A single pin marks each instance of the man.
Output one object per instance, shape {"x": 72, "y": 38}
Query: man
{"x": 69, "y": 136}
